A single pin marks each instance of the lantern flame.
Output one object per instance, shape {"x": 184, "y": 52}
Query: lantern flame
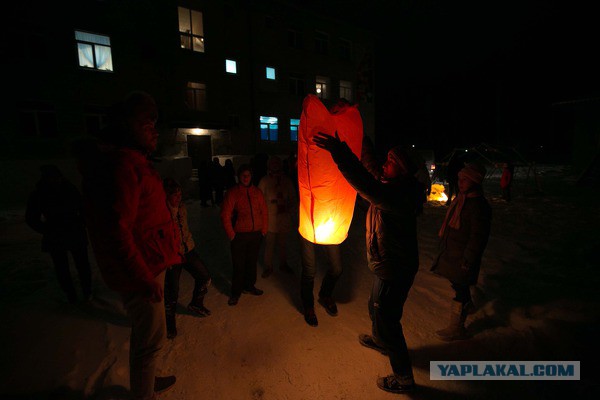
{"x": 324, "y": 231}
{"x": 437, "y": 193}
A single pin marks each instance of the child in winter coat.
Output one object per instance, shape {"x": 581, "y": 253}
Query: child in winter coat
{"x": 192, "y": 262}
{"x": 464, "y": 236}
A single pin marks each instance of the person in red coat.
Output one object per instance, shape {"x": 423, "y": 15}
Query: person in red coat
{"x": 131, "y": 231}
{"x": 245, "y": 219}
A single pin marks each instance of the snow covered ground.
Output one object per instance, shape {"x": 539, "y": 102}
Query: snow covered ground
{"x": 537, "y": 297}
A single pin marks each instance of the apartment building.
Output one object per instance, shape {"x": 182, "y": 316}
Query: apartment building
{"x": 229, "y": 76}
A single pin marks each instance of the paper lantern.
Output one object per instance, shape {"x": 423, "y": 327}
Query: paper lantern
{"x": 326, "y": 198}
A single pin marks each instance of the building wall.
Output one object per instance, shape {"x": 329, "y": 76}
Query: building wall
{"x": 147, "y": 56}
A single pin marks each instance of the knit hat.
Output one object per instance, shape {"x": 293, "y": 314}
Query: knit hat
{"x": 474, "y": 172}
{"x": 399, "y": 155}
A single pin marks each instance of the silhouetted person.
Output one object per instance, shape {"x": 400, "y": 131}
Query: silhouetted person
{"x": 131, "y": 231}
{"x": 191, "y": 263}
{"x": 204, "y": 184}
{"x": 464, "y": 235}
{"x": 245, "y": 219}
{"x": 217, "y": 179}
{"x": 229, "y": 173}
{"x": 259, "y": 167}
{"x": 455, "y": 164}
{"x": 55, "y": 210}
{"x": 392, "y": 251}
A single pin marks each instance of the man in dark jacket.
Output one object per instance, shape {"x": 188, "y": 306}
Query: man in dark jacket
{"x": 464, "y": 236}
{"x": 392, "y": 251}
{"x": 131, "y": 231}
{"x": 55, "y": 210}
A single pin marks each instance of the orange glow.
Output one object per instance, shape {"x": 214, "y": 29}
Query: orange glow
{"x": 437, "y": 193}
{"x": 326, "y": 198}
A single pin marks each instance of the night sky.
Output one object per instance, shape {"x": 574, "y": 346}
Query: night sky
{"x": 455, "y": 74}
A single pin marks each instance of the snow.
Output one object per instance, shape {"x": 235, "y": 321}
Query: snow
{"x": 537, "y": 299}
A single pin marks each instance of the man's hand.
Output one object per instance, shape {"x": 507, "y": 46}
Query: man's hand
{"x": 328, "y": 142}
{"x": 154, "y": 292}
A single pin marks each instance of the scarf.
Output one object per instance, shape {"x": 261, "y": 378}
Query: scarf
{"x": 453, "y": 214}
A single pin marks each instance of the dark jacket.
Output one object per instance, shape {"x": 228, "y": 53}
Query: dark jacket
{"x": 130, "y": 227}
{"x": 58, "y": 215}
{"x": 391, "y": 230}
{"x": 464, "y": 247}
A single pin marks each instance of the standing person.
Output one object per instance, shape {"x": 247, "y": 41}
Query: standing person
{"x": 392, "y": 252}
{"x": 229, "y": 174}
{"x": 191, "y": 263}
{"x": 245, "y": 219}
{"x": 204, "y": 178}
{"x": 217, "y": 180}
{"x": 307, "y": 281}
{"x": 454, "y": 165}
{"x": 506, "y": 180}
{"x": 55, "y": 210}
{"x": 131, "y": 231}
{"x": 464, "y": 236}
{"x": 281, "y": 199}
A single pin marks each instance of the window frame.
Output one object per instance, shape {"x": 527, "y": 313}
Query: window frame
{"x": 191, "y": 35}
{"x": 294, "y": 130}
{"x": 93, "y": 45}
{"x": 270, "y": 131}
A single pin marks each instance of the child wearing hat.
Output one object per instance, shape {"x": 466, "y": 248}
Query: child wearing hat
{"x": 464, "y": 235}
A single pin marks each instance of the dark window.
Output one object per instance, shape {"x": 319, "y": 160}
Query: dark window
{"x": 195, "y": 96}
{"x": 295, "y": 39}
{"x": 297, "y": 85}
{"x": 321, "y": 43}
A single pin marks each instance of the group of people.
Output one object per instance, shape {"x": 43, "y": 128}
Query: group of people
{"x": 138, "y": 228}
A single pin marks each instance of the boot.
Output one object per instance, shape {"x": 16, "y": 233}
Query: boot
{"x": 197, "y": 304}
{"x": 456, "y": 328}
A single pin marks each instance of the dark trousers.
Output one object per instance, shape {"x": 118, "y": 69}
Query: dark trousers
{"x": 386, "y": 305}
{"x": 60, "y": 259}
{"x": 196, "y": 268}
{"x": 463, "y": 292}
{"x": 245, "y": 247}
{"x": 309, "y": 270}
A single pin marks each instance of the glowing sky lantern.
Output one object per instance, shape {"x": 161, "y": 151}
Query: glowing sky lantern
{"x": 326, "y": 198}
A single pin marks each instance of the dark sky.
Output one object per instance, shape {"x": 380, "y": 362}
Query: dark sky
{"x": 458, "y": 73}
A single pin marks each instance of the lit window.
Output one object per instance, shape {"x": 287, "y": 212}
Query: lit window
{"x": 294, "y": 125}
{"x": 195, "y": 96}
{"x": 191, "y": 29}
{"x": 346, "y": 90}
{"x": 94, "y": 51}
{"x": 231, "y": 66}
{"x": 270, "y": 73}
{"x": 321, "y": 86}
{"x": 268, "y": 128}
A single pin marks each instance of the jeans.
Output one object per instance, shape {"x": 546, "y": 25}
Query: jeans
{"x": 196, "y": 268}
{"x": 386, "y": 305}
{"x": 60, "y": 259}
{"x": 148, "y": 334}
{"x": 245, "y": 247}
{"x": 309, "y": 270}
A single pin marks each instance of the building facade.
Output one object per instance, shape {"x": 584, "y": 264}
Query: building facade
{"x": 229, "y": 76}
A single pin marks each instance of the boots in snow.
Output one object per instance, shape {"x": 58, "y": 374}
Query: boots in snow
{"x": 456, "y": 329}
{"x": 170, "y": 308}
{"x": 396, "y": 384}
{"x": 163, "y": 383}
{"x": 196, "y": 306}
